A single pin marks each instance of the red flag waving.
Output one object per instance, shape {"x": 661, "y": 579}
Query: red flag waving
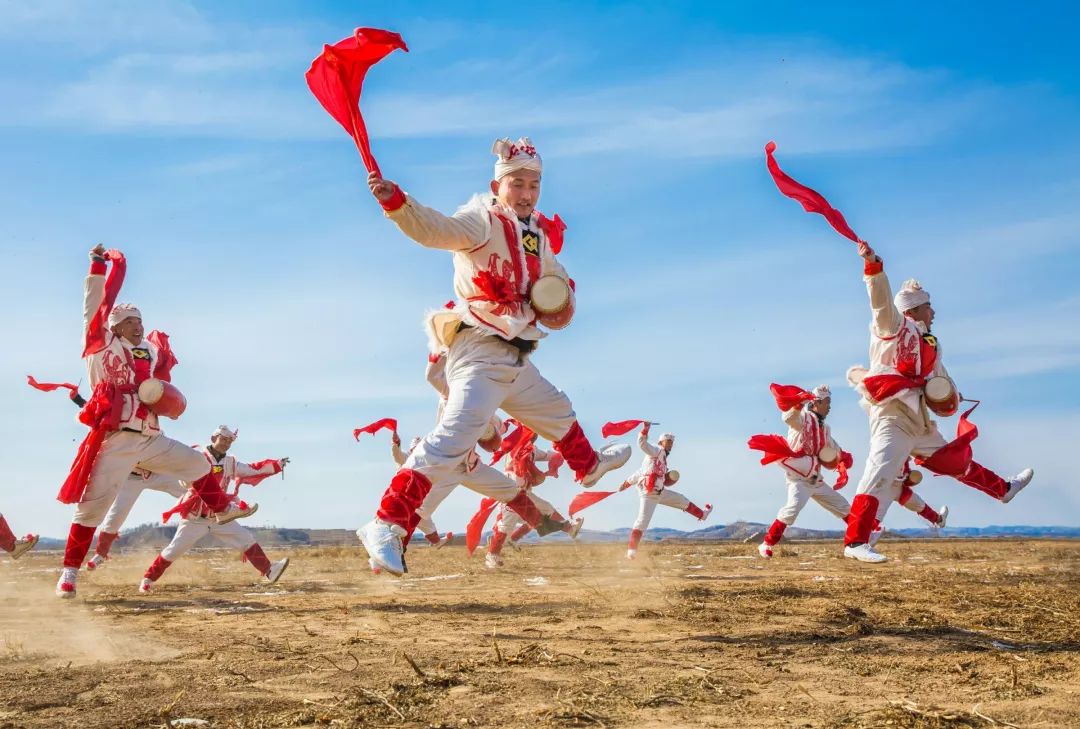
{"x": 50, "y": 386}
{"x": 811, "y": 200}
{"x": 373, "y": 428}
{"x": 337, "y": 75}
{"x": 621, "y": 427}
{"x": 95, "y": 330}
{"x": 166, "y": 359}
{"x": 775, "y": 448}
{"x": 587, "y": 498}
{"x": 475, "y": 529}
{"x": 955, "y": 456}
{"x": 260, "y": 477}
{"x": 513, "y": 443}
{"x": 789, "y": 396}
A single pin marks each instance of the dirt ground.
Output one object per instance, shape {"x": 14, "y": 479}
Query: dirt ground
{"x": 948, "y": 634}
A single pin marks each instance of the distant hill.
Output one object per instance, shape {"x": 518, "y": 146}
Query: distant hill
{"x": 156, "y": 536}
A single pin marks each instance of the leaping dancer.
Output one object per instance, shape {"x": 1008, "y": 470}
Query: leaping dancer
{"x": 129, "y": 374}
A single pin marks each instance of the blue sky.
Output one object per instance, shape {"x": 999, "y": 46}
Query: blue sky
{"x": 183, "y": 134}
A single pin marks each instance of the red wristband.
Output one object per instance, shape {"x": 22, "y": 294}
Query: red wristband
{"x": 98, "y": 268}
{"x": 394, "y": 202}
{"x": 873, "y": 268}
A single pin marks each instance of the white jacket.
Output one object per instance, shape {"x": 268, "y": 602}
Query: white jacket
{"x": 119, "y": 362}
{"x": 486, "y": 239}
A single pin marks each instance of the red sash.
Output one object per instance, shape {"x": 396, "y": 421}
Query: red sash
{"x": 102, "y": 413}
{"x": 882, "y": 387}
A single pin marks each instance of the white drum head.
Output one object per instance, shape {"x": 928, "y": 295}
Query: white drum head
{"x": 939, "y": 389}
{"x": 673, "y": 476}
{"x": 915, "y": 477}
{"x": 828, "y": 454}
{"x": 550, "y": 295}
{"x": 151, "y": 390}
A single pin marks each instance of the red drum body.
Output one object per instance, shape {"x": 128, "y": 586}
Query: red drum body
{"x": 671, "y": 478}
{"x": 553, "y": 301}
{"x": 162, "y": 398}
{"x": 941, "y": 396}
{"x": 829, "y": 457}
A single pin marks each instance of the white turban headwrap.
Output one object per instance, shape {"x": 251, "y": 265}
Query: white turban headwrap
{"x": 911, "y": 294}
{"x": 121, "y": 312}
{"x": 666, "y": 436}
{"x": 821, "y": 392}
{"x": 224, "y": 431}
{"x": 514, "y": 156}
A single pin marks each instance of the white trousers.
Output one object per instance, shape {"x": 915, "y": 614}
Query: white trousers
{"x": 649, "y": 502}
{"x": 483, "y": 479}
{"x": 508, "y": 520}
{"x": 129, "y": 493}
{"x": 800, "y": 491}
{"x": 191, "y": 531}
{"x": 483, "y": 374}
{"x": 887, "y": 496}
{"x": 121, "y": 452}
{"x": 890, "y": 447}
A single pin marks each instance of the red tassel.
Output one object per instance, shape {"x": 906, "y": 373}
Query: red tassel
{"x": 789, "y": 396}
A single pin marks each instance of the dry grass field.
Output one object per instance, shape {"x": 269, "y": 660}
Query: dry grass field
{"x": 948, "y": 634}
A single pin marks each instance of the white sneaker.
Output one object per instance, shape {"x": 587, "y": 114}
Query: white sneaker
{"x": 764, "y": 550}
{"x": 864, "y": 553}
{"x": 383, "y": 544}
{"x": 22, "y": 546}
{"x": 943, "y": 515}
{"x": 611, "y": 458}
{"x": 492, "y": 561}
{"x": 146, "y": 586}
{"x": 446, "y": 539}
{"x": 96, "y": 561}
{"x": 277, "y": 569}
{"x": 65, "y": 587}
{"x": 1017, "y": 484}
{"x": 575, "y": 527}
{"x": 875, "y": 535}
{"x": 705, "y": 512}
{"x": 631, "y": 553}
{"x": 234, "y": 512}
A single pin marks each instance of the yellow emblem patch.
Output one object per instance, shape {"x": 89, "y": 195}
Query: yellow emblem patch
{"x": 530, "y": 241}
{"x": 217, "y": 469}
{"x": 140, "y": 353}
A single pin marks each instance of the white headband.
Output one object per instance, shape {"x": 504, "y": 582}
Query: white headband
{"x": 666, "y": 436}
{"x": 911, "y": 294}
{"x": 514, "y": 156}
{"x": 224, "y": 430}
{"x": 821, "y": 392}
{"x": 121, "y": 312}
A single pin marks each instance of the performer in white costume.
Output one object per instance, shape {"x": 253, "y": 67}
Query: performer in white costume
{"x": 905, "y": 367}
{"x": 503, "y": 248}
{"x": 653, "y": 481}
